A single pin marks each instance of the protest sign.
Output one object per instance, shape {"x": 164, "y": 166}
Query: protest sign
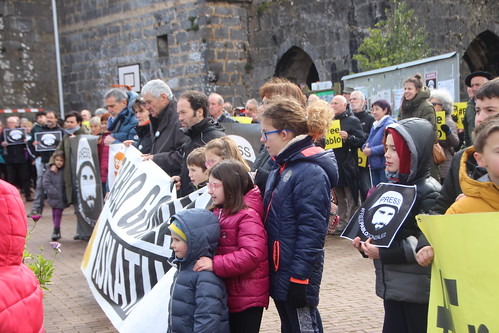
{"x": 14, "y": 136}
{"x": 463, "y": 293}
{"x": 47, "y": 141}
{"x": 333, "y": 138}
{"x": 115, "y": 160}
{"x": 382, "y": 214}
{"x": 247, "y": 138}
{"x": 86, "y": 180}
{"x": 440, "y": 117}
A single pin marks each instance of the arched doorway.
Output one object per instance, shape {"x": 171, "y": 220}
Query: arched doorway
{"x": 297, "y": 66}
{"x": 481, "y": 55}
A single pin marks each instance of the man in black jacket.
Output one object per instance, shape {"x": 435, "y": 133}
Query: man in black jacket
{"x": 358, "y": 106}
{"x": 192, "y": 110}
{"x": 352, "y": 136}
{"x": 167, "y": 139}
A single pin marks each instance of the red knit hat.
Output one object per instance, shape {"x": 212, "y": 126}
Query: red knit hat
{"x": 402, "y": 151}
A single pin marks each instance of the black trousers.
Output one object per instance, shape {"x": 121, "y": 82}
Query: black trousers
{"x": 405, "y": 317}
{"x": 19, "y": 174}
{"x": 299, "y": 320}
{"x": 247, "y": 321}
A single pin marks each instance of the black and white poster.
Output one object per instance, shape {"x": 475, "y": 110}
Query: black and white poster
{"x": 247, "y": 138}
{"x": 382, "y": 214}
{"x": 47, "y": 141}
{"x": 14, "y": 136}
{"x": 86, "y": 179}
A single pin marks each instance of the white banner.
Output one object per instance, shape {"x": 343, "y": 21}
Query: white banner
{"x": 125, "y": 263}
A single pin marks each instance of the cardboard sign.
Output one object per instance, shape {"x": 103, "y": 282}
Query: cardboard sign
{"x": 333, "y": 138}
{"x": 14, "y": 136}
{"x": 47, "y": 141}
{"x": 440, "y": 121}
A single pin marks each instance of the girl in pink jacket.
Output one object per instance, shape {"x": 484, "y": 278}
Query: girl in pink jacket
{"x": 241, "y": 257}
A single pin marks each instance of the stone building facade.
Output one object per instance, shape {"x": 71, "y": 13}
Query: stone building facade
{"x": 230, "y": 47}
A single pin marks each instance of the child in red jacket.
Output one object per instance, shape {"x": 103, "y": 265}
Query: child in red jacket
{"x": 241, "y": 257}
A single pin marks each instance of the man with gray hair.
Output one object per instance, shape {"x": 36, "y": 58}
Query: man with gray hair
{"x": 358, "y": 107}
{"x": 217, "y": 110}
{"x": 251, "y": 110}
{"x": 167, "y": 139}
{"x": 122, "y": 122}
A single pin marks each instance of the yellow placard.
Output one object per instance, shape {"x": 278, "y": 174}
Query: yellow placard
{"x": 440, "y": 121}
{"x": 459, "y": 110}
{"x": 464, "y": 291}
{"x": 243, "y": 120}
{"x": 333, "y": 138}
{"x": 362, "y": 158}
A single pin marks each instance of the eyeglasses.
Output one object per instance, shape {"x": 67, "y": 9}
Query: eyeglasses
{"x": 265, "y": 134}
{"x": 435, "y": 104}
{"x": 213, "y": 186}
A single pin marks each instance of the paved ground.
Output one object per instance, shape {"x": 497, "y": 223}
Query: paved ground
{"x": 348, "y": 302}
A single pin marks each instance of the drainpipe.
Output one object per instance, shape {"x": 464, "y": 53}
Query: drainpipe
{"x": 58, "y": 60}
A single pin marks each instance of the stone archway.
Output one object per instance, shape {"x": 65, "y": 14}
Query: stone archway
{"x": 483, "y": 53}
{"x": 297, "y": 66}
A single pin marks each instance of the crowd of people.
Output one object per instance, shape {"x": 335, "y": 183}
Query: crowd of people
{"x": 264, "y": 233}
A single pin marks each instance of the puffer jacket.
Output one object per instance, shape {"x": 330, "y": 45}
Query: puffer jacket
{"x": 122, "y": 127}
{"x": 242, "y": 255}
{"x": 297, "y": 203}
{"x": 375, "y": 141}
{"x": 398, "y": 275}
{"x": 481, "y": 195}
{"x": 53, "y": 184}
{"x": 21, "y": 305}
{"x": 419, "y": 107}
{"x": 198, "y": 300}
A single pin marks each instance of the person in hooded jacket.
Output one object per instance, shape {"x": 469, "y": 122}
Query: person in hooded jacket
{"x": 198, "y": 300}
{"x": 21, "y": 299}
{"x": 241, "y": 257}
{"x": 121, "y": 124}
{"x": 403, "y": 285}
{"x": 297, "y": 204}
{"x": 416, "y": 103}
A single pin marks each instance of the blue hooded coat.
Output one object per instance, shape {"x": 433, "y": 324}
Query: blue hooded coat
{"x": 297, "y": 204}
{"x": 123, "y": 126}
{"x": 198, "y": 300}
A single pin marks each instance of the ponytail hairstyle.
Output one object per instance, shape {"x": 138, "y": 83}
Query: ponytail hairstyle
{"x": 287, "y": 114}
{"x": 226, "y": 148}
{"x": 236, "y": 182}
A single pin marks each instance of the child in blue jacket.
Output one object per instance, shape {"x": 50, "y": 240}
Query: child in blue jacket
{"x": 198, "y": 300}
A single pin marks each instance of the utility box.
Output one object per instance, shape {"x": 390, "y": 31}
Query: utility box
{"x": 387, "y": 83}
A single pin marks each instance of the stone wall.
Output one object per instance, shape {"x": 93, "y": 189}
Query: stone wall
{"x": 230, "y": 47}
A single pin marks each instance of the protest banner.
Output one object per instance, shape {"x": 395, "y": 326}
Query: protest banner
{"x": 125, "y": 263}
{"x": 247, "y": 138}
{"x": 243, "y": 119}
{"x": 382, "y": 214}
{"x": 333, "y": 138}
{"x": 14, "y": 136}
{"x": 47, "y": 141}
{"x": 86, "y": 180}
{"x": 116, "y": 157}
{"x": 464, "y": 293}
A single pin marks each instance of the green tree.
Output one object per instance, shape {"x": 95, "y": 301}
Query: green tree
{"x": 396, "y": 40}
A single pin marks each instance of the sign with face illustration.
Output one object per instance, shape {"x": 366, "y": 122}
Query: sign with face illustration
{"x": 382, "y": 214}
{"x": 47, "y": 141}
{"x": 14, "y": 136}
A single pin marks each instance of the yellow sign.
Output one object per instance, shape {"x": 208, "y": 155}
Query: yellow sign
{"x": 464, "y": 277}
{"x": 440, "y": 122}
{"x": 459, "y": 110}
{"x": 333, "y": 138}
{"x": 243, "y": 120}
{"x": 362, "y": 158}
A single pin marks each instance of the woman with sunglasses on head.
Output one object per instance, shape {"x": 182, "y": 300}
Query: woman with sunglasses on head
{"x": 296, "y": 203}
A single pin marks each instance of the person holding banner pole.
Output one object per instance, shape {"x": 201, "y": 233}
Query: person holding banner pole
{"x": 297, "y": 204}
{"x": 403, "y": 285}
